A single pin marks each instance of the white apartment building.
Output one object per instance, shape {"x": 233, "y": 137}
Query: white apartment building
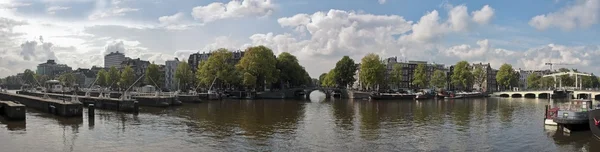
{"x": 114, "y": 59}
{"x": 170, "y": 68}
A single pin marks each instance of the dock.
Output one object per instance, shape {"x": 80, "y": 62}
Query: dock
{"x": 12, "y": 110}
{"x": 53, "y": 106}
{"x": 99, "y": 102}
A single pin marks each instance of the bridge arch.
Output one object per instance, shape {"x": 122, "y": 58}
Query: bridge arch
{"x": 583, "y": 95}
{"x": 516, "y": 95}
{"x": 504, "y": 95}
{"x": 530, "y": 95}
{"x": 544, "y": 95}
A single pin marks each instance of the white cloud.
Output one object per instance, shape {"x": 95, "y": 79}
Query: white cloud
{"x": 174, "y": 22}
{"x": 233, "y": 9}
{"x": 54, "y": 9}
{"x": 105, "y": 10}
{"x": 484, "y": 15}
{"x": 381, "y": 1}
{"x": 583, "y": 13}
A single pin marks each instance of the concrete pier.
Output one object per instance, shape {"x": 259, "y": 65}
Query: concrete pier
{"x": 12, "y": 110}
{"x": 53, "y": 106}
{"x": 99, "y": 102}
{"x": 189, "y": 98}
{"x": 153, "y": 101}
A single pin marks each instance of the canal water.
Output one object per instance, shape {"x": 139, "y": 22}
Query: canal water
{"x": 492, "y": 124}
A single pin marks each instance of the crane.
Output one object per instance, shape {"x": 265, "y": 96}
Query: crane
{"x": 552, "y": 64}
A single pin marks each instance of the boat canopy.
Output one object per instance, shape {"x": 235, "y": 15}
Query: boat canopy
{"x": 52, "y": 82}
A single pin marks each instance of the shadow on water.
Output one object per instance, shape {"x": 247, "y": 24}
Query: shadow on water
{"x": 13, "y": 125}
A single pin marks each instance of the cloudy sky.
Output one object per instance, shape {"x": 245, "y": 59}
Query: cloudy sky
{"x": 526, "y": 33}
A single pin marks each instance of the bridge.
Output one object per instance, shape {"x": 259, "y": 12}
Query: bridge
{"x": 587, "y": 94}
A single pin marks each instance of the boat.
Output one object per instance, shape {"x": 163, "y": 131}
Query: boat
{"x": 392, "y": 96}
{"x": 471, "y": 94}
{"x": 423, "y": 96}
{"x": 574, "y": 115}
{"x": 594, "y": 121}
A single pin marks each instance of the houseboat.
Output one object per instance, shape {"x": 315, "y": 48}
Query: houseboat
{"x": 392, "y": 96}
{"x": 594, "y": 121}
{"x": 573, "y": 116}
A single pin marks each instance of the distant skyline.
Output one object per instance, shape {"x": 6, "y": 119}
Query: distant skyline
{"x": 526, "y": 34}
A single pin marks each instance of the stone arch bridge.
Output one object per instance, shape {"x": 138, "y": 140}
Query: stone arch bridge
{"x": 587, "y": 94}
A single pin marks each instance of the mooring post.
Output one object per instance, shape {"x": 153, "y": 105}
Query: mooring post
{"x": 91, "y": 109}
{"x": 546, "y": 112}
{"x": 136, "y": 107}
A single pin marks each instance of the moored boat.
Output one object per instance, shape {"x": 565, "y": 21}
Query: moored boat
{"x": 594, "y": 121}
{"x": 574, "y": 116}
{"x": 391, "y": 96}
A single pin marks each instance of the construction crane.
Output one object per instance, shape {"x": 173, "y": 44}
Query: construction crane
{"x": 552, "y": 64}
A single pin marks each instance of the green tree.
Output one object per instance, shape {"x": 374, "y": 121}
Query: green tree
{"x": 112, "y": 77}
{"x": 329, "y": 80}
{"x": 101, "y": 78}
{"x": 547, "y": 82}
{"x": 292, "y": 74}
{"x": 372, "y": 71}
{"x": 461, "y": 75}
{"x": 184, "y": 76}
{"x": 506, "y": 76}
{"x": 396, "y": 75}
{"x": 127, "y": 77}
{"x": 260, "y": 63}
{"x": 153, "y": 76}
{"x": 439, "y": 79}
{"x": 41, "y": 79}
{"x": 68, "y": 79}
{"x": 219, "y": 67}
{"x": 29, "y": 77}
{"x": 479, "y": 76}
{"x": 534, "y": 81}
{"x": 345, "y": 69}
{"x": 420, "y": 76}
{"x": 322, "y": 78}
{"x": 249, "y": 80}
{"x": 567, "y": 80}
{"x": 563, "y": 70}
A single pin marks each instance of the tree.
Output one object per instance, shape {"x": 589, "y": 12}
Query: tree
{"x": 372, "y": 70}
{"x": 329, "y": 80}
{"x": 184, "y": 76}
{"x": 219, "y": 67}
{"x": 479, "y": 76}
{"x": 563, "y": 70}
{"x": 322, "y": 77}
{"x": 101, "y": 78}
{"x": 29, "y": 77}
{"x": 41, "y": 79}
{"x": 112, "y": 77}
{"x": 547, "y": 82}
{"x": 420, "y": 76}
{"x": 153, "y": 76}
{"x": 127, "y": 77}
{"x": 534, "y": 81}
{"x": 260, "y": 63}
{"x": 461, "y": 75}
{"x": 292, "y": 73}
{"x": 396, "y": 75}
{"x": 506, "y": 76}
{"x": 68, "y": 79}
{"x": 566, "y": 80}
{"x": 345, "y": 70}
{"x": 438, "y": 79}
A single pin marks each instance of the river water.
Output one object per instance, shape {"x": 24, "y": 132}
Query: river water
{"x": 492, "y": 124}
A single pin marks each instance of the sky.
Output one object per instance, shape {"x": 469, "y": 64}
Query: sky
{"x": 526, "y": 34}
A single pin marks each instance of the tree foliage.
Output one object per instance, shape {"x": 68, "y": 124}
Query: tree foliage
{"x": 396, "y": 75}
{"x": 101, "y": 78}
{"x": 566, "y": 80}
{"x": 184, "y": 75}
{"x": 68, "y": 79}
{"x": 260, "y": 65}
{"x": 590, "y": 81}
{"x": 127, "y": 77}
{"x": 479, "y": 76}
{"x": 372, "y": 70}
{"x": 506, "y": 76}
{"x": 534, "y": 81}
{"x": 547, "y": 82}
{"x": 292, "y": 73}
{"x": 345, "y": 69}
{"x": 420, "y": 76}
{"x": 153, "y": 76}
{"x": 322, "y": 77}
{"x": 29, "y": 77}
{"x": 329, "y": 80}
{"x": 438, "y": 79}
{"x": 41, "y": 79}
{"x": 219, "y": 65}
{"x": 113, "y": 77}
{"x": 461, "y": 75}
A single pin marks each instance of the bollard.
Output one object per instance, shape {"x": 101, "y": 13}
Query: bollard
{"x": 91, "y": 111}
{"x": 546, "y": 112}
{"x": 136, "y": 107}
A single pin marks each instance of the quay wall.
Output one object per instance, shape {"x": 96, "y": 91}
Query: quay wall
{"x": 101, "y": 103}
{"x": 61, "y": 108}
{"x": 12, "y": 110}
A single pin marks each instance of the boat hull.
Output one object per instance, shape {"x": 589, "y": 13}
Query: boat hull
{"x": 594, "y": 128}
{"x": 392, "y": 97}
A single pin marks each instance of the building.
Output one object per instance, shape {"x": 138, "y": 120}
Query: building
{"x": 489, "y": 83}
{"x": 84, "y": 77}
{"x": 195, "y": 59}
{"x": 408, "y": 69}
{"x": 52, "y": 69}
{"x": 139, "y": 66}
{"x": 523, "y": 74}
{"x": 114, "y": 59}
{"x": 170, "y": 68}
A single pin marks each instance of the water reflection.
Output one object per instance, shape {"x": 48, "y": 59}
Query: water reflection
{"x": 13, "y": 125}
